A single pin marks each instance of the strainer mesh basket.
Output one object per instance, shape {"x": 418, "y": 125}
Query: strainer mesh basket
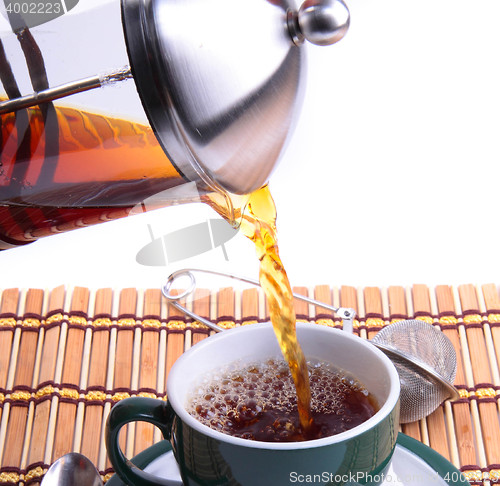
{"x": 426, "y": 362}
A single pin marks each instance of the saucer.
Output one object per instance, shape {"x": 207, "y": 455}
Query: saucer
{"x": 413, "y": 464}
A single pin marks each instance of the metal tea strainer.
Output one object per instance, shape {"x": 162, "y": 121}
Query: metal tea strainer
{"x": 423, "y": 356}
{"x": 426, "y": 362}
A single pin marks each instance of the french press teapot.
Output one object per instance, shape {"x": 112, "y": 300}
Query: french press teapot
{"x": 176, "y": 99}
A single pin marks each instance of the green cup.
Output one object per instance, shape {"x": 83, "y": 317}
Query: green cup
{"x": 207, "y": 457}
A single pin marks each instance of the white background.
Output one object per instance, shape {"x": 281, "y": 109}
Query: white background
{"x": 391, "y": 177}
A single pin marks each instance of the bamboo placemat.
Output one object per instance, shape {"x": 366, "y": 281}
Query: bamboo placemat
{"x": 66, "y": 355}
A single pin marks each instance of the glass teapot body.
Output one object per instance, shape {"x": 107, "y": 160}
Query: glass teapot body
{"x": 69, "y": 163}
{"x": 107, "y": 103}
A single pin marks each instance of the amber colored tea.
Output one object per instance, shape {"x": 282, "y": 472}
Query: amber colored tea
{"x": 66, "y": 168}
{"x": 258, "y": 402}
{"x": 258, "y": 222}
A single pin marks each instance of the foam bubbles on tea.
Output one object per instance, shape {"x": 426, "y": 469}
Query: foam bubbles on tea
{"x": 259, "y": 402}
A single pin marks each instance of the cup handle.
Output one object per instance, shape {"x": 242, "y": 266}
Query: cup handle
{"x": 136, "y": 409}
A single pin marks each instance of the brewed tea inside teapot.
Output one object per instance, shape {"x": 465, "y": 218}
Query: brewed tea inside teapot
{"x": 110, "y": 103}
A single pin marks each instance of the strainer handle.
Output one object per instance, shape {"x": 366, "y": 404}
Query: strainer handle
{"x": 345, "y": 313}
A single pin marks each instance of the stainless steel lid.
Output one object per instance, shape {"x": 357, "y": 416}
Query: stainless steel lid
{"x": 222, "y": 80}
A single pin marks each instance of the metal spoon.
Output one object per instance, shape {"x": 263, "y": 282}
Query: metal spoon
{"x": 70, "y": 469}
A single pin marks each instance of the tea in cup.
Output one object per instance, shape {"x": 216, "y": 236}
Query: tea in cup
{"x": 257, "y": 401}
{"x": 231, "y": 420}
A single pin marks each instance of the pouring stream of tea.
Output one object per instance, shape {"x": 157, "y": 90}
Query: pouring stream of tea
{"x": 258, "y": 223}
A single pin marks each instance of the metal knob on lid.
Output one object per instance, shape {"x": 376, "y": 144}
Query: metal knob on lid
{"x": 321, "y": 22}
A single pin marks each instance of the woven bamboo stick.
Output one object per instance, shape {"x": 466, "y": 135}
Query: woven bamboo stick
{"x": 66, "y": 417}
{"x": 148, "y": 378}
{"x": 446, "y": 308}
{"x": 421, "y": 299}
{"x": 6, "y": 418}
{"x": 84, "y": 376}
{"x": 444, "y": 413}
{"x": 175, "y": 337}
{"x": 488, "y": 414}
{"x": 413, "y": 430}
{"x": 23, "y": 376}
{"x": 15, "y": 434}
{"x": 490, "y": 425}
{"x": 38, "y": 445}
{"x": 349, "y": 298}
{"x": 226, "y": 307}
{"x": 479, "y": 355}
{"x": 125, "y": 339}
{"x": 152, "y": 303}
{"x": 8, "y": 343}
{"x": 8, "y": 319}
{"x": 388, "y": 300}
{"x": 323, "y": 293}
{"x": 51, "y": 342}
{"x": 464, "y": 436}
{"x": 92, "y": 425}
{"x": 491, "y": 298}
{"x": 25, "y": 369}
{"x": 263, "y": 307}
{"x": 249, "y": 305}
{"x": 409, "y": 302}
{"x": 188, "y": 333}
{"x": 263, "y": 314}
{"x": 175, "y": 344}
{"x": 34, "y": 307}
{"x": 26, "y": 360}
{"x": 417, "y": 430}
{"x": 489, "y": 319}
{"x": 201, "y": 306}
{"x": 9, "y": 301}
{"x": 435, "y": 423}
{"x": 397, "y": 310}
{"x": 353, "y": 298}
{"x": 104, "y": 463}
{"x": 91, "y": 438}
{"x": 301, "y": 307}
{"x": 162, "y": 359}
{"x": 336, "y": 296}
{"x": 311, "y": 312}
{"x": 417, "y": 302}
{"x": 397, "y": 303}
{"x": 490, "y": 304}
{"x": 136, "y": 363}
{"x": 384, "y": 295}
{"x": 469, "y": 379}
{"x": 438, "y": 436}
{"x": 124, "y": 358}
{"x": 475, "y": 336}
{"x": 373, "y": 310}
{"x": 449, "y": 320}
